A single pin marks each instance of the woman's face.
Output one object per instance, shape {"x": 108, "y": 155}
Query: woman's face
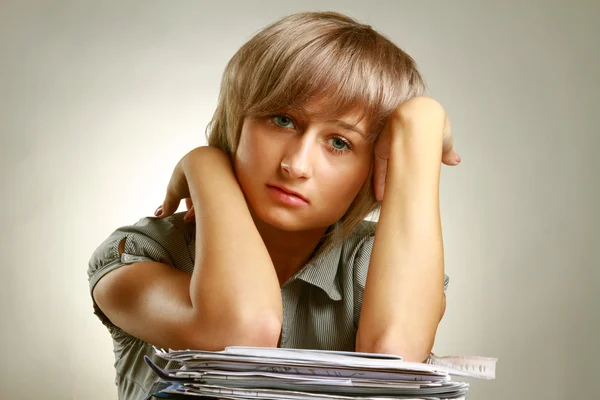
{"x": 301, "y": 173}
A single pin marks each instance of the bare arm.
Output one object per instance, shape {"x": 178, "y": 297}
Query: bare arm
{"x": 233, "y": 295}
{"x": 403, "y": 301}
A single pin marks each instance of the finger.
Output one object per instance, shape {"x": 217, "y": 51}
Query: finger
{"x": 170, "y": 203}
{"x": 188, "y": 203}
{"x": 190, "y": 215}
{"x": 169, "y": 206}
{"x": 451, "y": 158}
{"x": 379, "y": 174}
{"x": 173, "y": 197}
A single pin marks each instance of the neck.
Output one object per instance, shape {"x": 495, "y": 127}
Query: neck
{"x": 289, "y": 250}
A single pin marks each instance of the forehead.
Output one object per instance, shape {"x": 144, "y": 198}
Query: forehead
{"x": 326, "y": 109}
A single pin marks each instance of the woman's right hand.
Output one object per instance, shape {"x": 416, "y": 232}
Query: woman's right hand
{"x": 178, "y": 189}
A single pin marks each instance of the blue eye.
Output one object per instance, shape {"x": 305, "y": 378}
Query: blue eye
{"x": 339, "y": 145}
{"x": 283, "y": 121}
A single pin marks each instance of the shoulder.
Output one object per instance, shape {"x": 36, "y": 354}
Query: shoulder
{"x": 164, "y": 240}
{"x": 167, "y": 232}
{"x": 162, "y": 229}
{"x": 360, "y": 242}
{"x": 150, "y": 238}
{"x": 356, "y": 251}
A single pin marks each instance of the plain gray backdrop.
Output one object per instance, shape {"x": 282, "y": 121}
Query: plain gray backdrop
{"x": 99, "y": 100}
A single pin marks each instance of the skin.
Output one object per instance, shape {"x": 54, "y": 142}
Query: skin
{"x": 403, "y": 301}
{"x": 234, "y": 298}
{"x": 325, "y": 162}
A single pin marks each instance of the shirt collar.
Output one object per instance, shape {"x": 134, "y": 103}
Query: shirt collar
{"x": 321, "y": 271}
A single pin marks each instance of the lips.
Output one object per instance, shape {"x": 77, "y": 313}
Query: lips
{"x": 289, "y": 191}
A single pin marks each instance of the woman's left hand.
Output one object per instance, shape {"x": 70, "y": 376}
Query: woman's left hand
{"x": 382, "y": 146}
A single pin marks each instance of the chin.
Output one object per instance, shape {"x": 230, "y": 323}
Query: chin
{"x": 281, "y": 219}
{"x": 290, "y": 220}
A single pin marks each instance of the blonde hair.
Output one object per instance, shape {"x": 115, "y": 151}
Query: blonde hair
{"x": 307, "y": 56}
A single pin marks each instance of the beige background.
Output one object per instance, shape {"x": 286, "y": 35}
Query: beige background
{"x": 99, "y": 101}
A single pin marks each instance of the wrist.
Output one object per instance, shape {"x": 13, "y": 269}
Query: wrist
{"x": 203, "y": 156}
{"x": 417, "y": 110}
{"x": 417, "y": 127}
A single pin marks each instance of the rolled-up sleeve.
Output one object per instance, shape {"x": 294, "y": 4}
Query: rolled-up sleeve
{"x": 142, "y": 243}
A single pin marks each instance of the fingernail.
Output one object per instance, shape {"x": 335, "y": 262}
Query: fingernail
{"x": 158, "y": 211}
{"x": 457, "y": 157}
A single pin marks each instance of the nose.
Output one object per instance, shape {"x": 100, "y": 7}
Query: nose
{"x": 297, "y": 162}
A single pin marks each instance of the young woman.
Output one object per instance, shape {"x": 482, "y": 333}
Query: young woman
{"x": 320, "y": 121}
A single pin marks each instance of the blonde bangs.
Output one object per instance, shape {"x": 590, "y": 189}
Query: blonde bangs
{"x": 346, "y": 67}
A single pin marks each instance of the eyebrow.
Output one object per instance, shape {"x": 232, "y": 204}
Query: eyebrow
{"x": 346, "y": 125}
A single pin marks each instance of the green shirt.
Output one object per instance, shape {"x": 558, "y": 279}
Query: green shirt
{"x": 321, "y": 302}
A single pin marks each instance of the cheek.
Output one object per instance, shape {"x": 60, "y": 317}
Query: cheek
{"x": 251, "y": 148}
{"x": 341, "y": 187}
{"x": 242, "y": 161}
{"x": 243, "y": 151}
{"x": 246, "y": 152}
{"x": 252, "y": 164}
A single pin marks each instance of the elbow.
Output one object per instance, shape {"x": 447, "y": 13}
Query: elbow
{"x": 260, "y": 331}
{"x": 410, "y": 351}
{"x": 214, "y": 334}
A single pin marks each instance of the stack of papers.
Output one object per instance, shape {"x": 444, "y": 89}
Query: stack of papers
{"x": 273, "y": 373}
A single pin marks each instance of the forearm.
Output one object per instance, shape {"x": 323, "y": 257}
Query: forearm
{"x": 404, "y": 292}
{"x": 234, "y": 287}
